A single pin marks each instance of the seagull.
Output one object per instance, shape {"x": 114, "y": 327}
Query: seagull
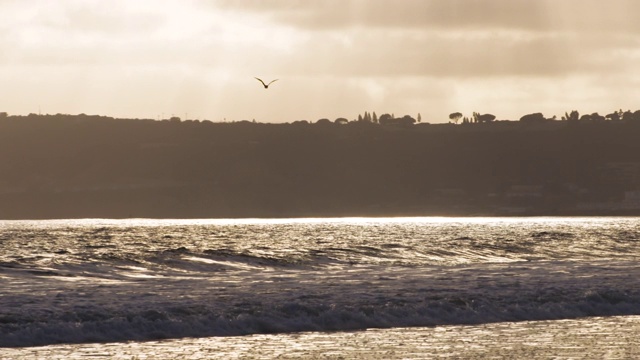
{"x": 266, "y": 86}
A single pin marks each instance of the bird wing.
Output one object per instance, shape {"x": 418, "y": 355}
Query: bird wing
{"x": 271, "y": 82}
{"x": 261, "y": 81}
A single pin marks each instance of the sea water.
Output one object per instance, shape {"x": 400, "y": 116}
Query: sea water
{"x": 291, "y": 288}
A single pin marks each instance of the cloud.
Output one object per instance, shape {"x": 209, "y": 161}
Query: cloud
{"x": 428, "y": 38}
{"x": 135, "y": 33}
{"x": 338, "y": 56}
{"x": 467, "y": 55}
{"x": 455, "y": 38}
{"x": 539, "y": 15}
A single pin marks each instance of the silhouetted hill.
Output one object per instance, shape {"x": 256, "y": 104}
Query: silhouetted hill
{"x": 86, "y": 166}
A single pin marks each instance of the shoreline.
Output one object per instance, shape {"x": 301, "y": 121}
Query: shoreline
{"x": 614, "y": 337}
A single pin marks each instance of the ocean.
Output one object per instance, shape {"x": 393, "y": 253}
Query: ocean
{"x": 321, "y": 288}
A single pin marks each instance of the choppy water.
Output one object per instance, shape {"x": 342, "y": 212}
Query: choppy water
{"x": 80, "y": 281}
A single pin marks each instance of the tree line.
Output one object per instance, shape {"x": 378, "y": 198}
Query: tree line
{"x": 573, "y": 116}
{"x": 93, "y": 166}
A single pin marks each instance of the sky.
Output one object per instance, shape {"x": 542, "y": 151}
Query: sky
{"x": 197, "y": 59}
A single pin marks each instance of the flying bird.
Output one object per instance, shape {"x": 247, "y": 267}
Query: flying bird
{"x": 266, "y": 86}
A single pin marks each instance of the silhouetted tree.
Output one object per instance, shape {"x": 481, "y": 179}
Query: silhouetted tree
{"x": 406, "y": 120}
{"x": 573, "y": 116}
{"x": 614, "y": 116}
{"x": 627, "y": 116}
{"x": 341, "y": 121}
{"x": 374, "y": 118}
{"x": 367, "y": 117}
{"x": 324, "y": 121}
{"x": 597, "y": 117}
{"x": 419, "y": 118}
{"x": 487, "y": 117}
{"x": 484, "y": 118}
{"x": 455, "y": 117}
{"x": 533, "y": 118}
{"x": 385, "y": 119}
{"x": 585, "y": 118}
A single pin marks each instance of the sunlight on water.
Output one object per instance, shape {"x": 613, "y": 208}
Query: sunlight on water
{"x": 280, "y": 221}
{"x": 228, "y": 264}
{"x": 135, "y": 279}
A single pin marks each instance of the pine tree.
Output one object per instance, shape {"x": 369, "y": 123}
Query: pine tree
{"x": 375, "y": 117}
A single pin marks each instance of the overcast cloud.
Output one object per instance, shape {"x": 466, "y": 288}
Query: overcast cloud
{"x": 138, "y": 58}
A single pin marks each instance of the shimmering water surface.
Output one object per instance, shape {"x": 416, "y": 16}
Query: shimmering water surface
{"x": 111, "y": 281}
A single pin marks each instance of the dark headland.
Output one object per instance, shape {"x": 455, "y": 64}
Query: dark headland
{"x": 81, "y": 166}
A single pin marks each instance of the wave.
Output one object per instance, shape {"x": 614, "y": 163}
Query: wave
{"x": 303, "y": 314}
{"x": 246, "y": 299}
{"x": 120, "y": 281}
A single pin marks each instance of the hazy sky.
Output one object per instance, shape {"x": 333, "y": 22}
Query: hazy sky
{"x": 334, "y": 58}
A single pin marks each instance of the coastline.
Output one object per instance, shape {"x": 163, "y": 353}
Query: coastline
{"x": 84, "y": 167}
